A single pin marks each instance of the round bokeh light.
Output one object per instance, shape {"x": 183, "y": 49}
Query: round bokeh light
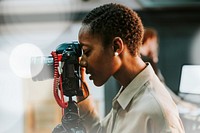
{"x": 20, "y": 60}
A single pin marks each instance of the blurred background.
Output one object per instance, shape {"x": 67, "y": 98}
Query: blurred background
{"x": 35, "y": 28}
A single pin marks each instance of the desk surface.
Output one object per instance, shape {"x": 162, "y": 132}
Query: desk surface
{"x": 193, "y": 98}
{"x": 191, "y": 120}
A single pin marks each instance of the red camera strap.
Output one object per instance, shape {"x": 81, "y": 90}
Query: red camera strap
{"x": 57, "y": 85}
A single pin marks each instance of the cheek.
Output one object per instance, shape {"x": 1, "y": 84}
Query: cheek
{"x": 100, "y": 60}
{"x": 101, "y": 68}
{"x": 100, "y": 64}
{"x": 101, "y": 71}
{"x": 95, "y": 62}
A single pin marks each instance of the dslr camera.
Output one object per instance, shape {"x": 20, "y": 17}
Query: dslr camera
{"x": 63, "y": 66}
{"x": 66, "y": 57}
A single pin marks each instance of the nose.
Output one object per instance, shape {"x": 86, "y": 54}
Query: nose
{"x": 83, "y": 62}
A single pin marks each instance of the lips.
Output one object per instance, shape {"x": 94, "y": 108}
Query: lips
{"x": 89, "y": 74}
{"x": 90, "y": 77}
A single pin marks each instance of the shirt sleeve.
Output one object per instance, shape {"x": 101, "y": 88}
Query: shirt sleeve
{"x": 89, "y": 115}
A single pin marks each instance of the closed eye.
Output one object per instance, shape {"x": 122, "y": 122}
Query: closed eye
{"x": 86, "y": 52}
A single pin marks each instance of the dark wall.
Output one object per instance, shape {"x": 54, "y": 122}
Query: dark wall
{"x": 176, "y": 29}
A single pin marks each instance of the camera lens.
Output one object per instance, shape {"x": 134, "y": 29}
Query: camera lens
{"x": 42, "y": 68}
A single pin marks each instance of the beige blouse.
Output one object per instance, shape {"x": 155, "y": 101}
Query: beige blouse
{"x": 144, "y": 106}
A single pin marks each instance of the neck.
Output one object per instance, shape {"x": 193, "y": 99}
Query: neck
{"x": 129, "y": 69}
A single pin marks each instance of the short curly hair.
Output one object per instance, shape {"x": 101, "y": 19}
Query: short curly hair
{"x": 115, "y": 20}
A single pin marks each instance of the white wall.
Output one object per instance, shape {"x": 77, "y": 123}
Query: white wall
{"x": 11, "y": 99}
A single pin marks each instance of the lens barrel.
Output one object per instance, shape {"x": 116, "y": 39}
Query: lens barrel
{"x": 42, "y": 68}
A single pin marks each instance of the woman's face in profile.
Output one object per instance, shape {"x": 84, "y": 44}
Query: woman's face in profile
{"x": 97, "y": 60}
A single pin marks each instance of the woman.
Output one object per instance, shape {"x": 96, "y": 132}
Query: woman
{"x": 149, "y": 53}
{"x": 110, "y": 37}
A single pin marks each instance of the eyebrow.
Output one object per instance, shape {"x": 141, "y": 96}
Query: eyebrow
{"x": 81, "y": 44}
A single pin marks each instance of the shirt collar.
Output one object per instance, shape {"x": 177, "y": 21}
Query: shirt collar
{"x": 124, "y": 97}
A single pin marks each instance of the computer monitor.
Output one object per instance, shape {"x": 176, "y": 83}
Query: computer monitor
{"x": 190, "y": 79}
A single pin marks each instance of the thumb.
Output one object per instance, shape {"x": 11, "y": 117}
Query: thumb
{"x": 84, "y": 86}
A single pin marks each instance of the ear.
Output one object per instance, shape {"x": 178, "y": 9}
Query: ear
{"x": 118, "y": 45}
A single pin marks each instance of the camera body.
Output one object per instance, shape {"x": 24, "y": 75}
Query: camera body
{"x": 63, "y": 66}
{"x": 70, "y": 69}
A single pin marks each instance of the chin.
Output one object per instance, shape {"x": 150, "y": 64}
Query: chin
{"x": 100, "y": 81}
{"x": 98, "y": 84}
